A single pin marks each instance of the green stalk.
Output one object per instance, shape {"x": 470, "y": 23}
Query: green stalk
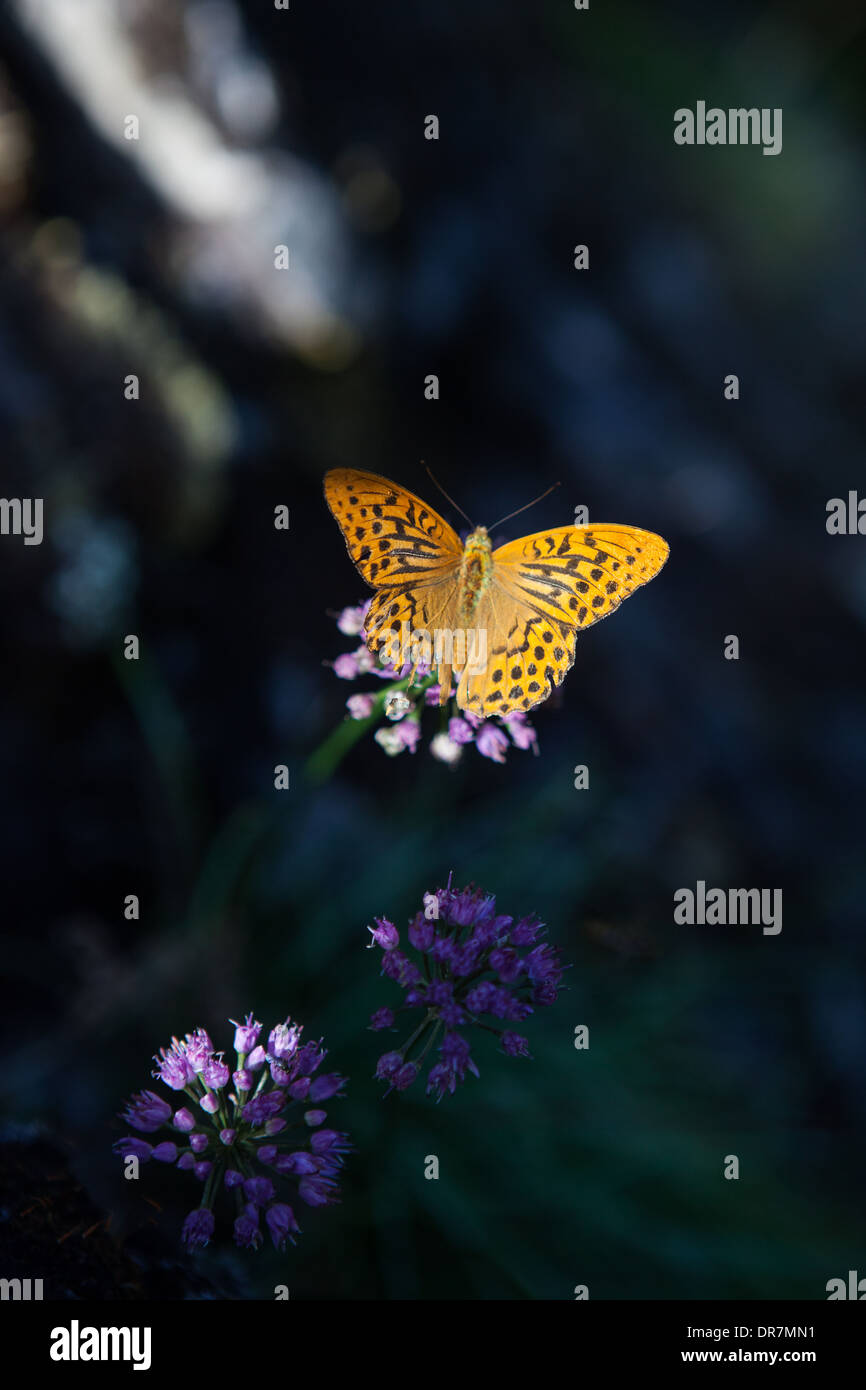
{"x": 328, "y": 756}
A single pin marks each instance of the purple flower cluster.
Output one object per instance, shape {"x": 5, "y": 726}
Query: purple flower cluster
{"x": 475, "y": 965}
{"x": 245, "y": 1129}
{"x": 492, "y": 737}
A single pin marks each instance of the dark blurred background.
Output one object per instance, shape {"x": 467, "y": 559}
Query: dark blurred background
{"x": 408, "y": 257}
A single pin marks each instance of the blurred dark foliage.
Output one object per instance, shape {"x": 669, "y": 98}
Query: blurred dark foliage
{"x": 156, "y": 778}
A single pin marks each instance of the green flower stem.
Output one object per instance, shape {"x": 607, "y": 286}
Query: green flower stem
{"x": 434, "y": 1033}
{"x": 430, "y": 1015}
{"x": 210, "y": 1186}
{"x": 488, "y": 1028}
{"x": 328, "y": 756}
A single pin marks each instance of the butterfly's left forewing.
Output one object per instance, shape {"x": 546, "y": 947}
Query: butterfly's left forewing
{"x": 545, "y": 589}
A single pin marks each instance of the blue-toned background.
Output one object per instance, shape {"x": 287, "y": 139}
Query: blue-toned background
{"x": 408, "y": 257}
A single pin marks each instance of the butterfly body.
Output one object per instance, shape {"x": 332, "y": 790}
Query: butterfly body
{"x": 476, "y": 571}
{"x": 527, "y": 599}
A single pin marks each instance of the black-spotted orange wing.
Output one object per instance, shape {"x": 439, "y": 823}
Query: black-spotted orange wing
{"x": 544, "y": 590}
{"x": 401, "y": 547}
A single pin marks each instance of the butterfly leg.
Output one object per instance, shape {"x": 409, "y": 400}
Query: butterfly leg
{"x": 444, "y": 684}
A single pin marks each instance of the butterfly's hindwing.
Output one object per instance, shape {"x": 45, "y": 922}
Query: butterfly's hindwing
{"x": 528, "y": 658}
{"x": 422, "y": 608}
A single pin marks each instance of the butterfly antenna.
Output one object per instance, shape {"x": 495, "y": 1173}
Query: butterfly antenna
{"x": 524, "y": 508}
{"x": 450, "y": 499}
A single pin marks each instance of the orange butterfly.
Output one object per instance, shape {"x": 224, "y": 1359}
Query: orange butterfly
{"x": 527, "y": 600}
